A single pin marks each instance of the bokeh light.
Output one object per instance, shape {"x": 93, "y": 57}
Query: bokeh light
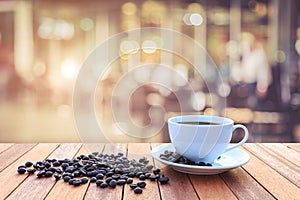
{"x": 129, "y": 8}
{"x": 196, "y": 19}
{"x": 86, "y": 24}
{"x": 69, "y": 69}
{"x": 149, "y": 46}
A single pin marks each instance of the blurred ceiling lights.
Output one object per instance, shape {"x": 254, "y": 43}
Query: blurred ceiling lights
{"x": 55, "y": 29}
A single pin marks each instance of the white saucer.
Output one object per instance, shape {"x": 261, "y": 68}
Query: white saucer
{"x": 229, "y": 160}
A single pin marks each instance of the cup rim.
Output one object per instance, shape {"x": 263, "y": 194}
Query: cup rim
{"x": 222, "y": 120}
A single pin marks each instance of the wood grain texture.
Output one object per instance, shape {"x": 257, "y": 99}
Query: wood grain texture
{"x": 13, "y": 153}
{"x": 108, "y": 193}
{"x": 244, "y": 186}
{"x": 211, "y": 187}
{"x": 276, "y": 184}
{"x": 272, "y": 173}
{"x": 294, "y": 146}
{"x": 38, "y": 188}
{"x": 284, "y": 152}
{"x": 10, "y": 179}
{"x": 283, "y": 166}
{"x": 5, "y": 146}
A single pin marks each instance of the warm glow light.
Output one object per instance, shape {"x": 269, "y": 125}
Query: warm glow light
{"x": 86, "y": 24}
{"x": 39, "y": 69}
{"x": 196, "y": 19}
{"x": 180, "y": 77}
{"x": 155, "y": 99}
{"x": 64, "y": 111}
{"x": 129, "y": 47}
{"x": 129, "y": 8}
{"x": 198, "y": 101}
{"x": 232, "y": 48}
{"x": 55, "y": 29}
{"x": 186, "y": 19}
{"x": 68, "y": 69}
{"x": 158, "y": 41}
{"x": 63, "y": 30}
{"x": 297, "y": 46}
{"x": 224, "y": 89}
{"x": 280, "y": 56}
{"x": 149, "y": 46}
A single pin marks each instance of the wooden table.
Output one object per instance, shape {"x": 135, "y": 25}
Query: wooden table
{"x": 272, "y": 173}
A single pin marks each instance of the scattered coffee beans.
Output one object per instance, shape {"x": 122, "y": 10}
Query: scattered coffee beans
{"x": 102, "y": 169}
{"x": 172, "y": 156}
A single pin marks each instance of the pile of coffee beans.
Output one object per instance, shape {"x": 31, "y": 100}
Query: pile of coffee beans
{"x": 172, "y": 156}
{"x": 105, "y": 170}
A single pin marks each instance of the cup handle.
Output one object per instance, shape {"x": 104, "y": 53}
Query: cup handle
{"x": 246, "y": 134}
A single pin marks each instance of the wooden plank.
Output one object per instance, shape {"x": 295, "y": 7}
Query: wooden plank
{"x": 279, "y": 164}
{"x": 285, "y": 152}
{"x": 38, "y": 188}
{"x": 13, "y": 153}
{"x": 4, "y": 146}
{"x": 179, "y": 186}
{"x": 108, "y": 193}
{"x": 10, "y": 179}
{"x": 63, "y": 190}
{"x": 295, "y": 146}
{"x": 244, "y": 186}
{"x": 211, "y": 187}
{"x": 276, "y": 184}
{"x": 151, "y": 191}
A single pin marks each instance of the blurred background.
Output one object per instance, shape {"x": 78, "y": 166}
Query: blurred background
{"x": 254, "y": 43}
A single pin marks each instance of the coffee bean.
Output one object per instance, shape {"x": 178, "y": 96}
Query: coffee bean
{"x": 84, "y": 180}
{"x": 121, "y": 182}
{"x": 48, "y": 173}
{"x": 76, "y": 173}
{"x": 98, "y": 182}
{"x": 115, "y": 176}
{"x": 141, "y": 184}
{"x": 131, "y": 174}
{"x": 57, "y": 177}
{"x": 56, "y": 164}
{"x": 31, "y": 171}
{"x": 21, "y": 166}
{"x": 100, "y": 176}
{"x": 64, "y": 165}
{"x": 66, "y": 178}
{"x": 156, "y": 171}
{"x": 40, "y": 174}
{"x": 21, "y": 170}
{"x": 142, "y": 177}
{"x": 108, "y": 179}
{"x": 52, "y": 169}
{"x": 28, "y": 164}
{"x": 93, "y": 179}
{"x": 129, "y": 180}
{"x": 47, "y": 164}
{"x": 112, "y": 183}
{"x": 152, "y": 177}
{"x": 133, "y": 185}
{"x": 103, "y": 185}
{"x": 76, "y": 182}
{"x": 71, "y": 181}
{"x": 138, "y": 190}
{"x": 163, "y": 179}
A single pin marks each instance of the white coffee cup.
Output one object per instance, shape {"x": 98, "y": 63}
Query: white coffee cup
{"x": 203, "y": 142}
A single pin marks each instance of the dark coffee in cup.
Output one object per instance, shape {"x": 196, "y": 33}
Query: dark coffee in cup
{"x": 199, "y": 123}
